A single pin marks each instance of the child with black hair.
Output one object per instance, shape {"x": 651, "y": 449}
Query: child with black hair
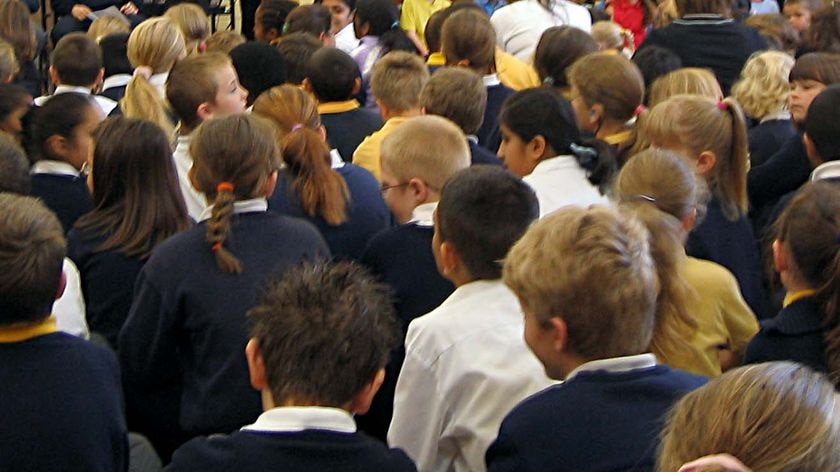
{"x": 15, "y": 103}
{"x": 541, "y": 143}
{"x": 181, "y": 346}
{"x": 333, "y": 78}
{"x": 559, "y": 47}
{"x": 269, "y": 19}
{"x": 466, "y": 363}
{"x": 259, "y": 67}
{"x": 821, "y": 136}
{"x": 59, "y": 143}
{"x": 434, "y": 28}
{"x": 118, "y": 68}
{"x": 76, "y": 66}
{"x": 342, "y": 313}
{"x": 341, "y": 25}
{"x": 296, "y": 49}
{"x": 654, "y": 62}
{"x": 313, "y": 19}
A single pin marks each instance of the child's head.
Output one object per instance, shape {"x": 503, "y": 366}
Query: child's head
{"x": 799, "y": 12}
{"x": 554, "y": 269}
{"x": 321, "y": 190}
{"x": 224, "y": 41}
{"x": 259, "y": 67}
{"x": 398, "y": 78}
{"x": 115, "y": 54}
{"x": 654, "y": 62}
{"x": 611, "y": 37}
{"x": 15, "y": 103}
{"x": 773, "y": 417}
{"x": 381, "y": 18}
{"x": 77, "y": 61}
{"x": 17, "y": 29}
{"x": 204, "y": 86}
{"x": 313, "y": 19}
{"x": 559, "y": 47}
{"x": 712, "y": 136}
{"x": 822, "y": 127}
{"x": 537, "y": 124}
{"x": 234, "y": 158}
{"x": 32, "y": 250}
{"x": 824, "y": 33}
{"x": 61, "y": 129}
{"x": 193, "y": 23}
{"x": 297, "y": 49}
{"x": 606, "y": 88}
{"x": 777, "y": 30}
{"x": 468, "y": 39}
{"x": 763, "y": 88}
{"x": 108, "y": 25}
{"x": 8, "y": 62}
{"x": 336, "y": 310}
{"x": 483, "y": 211}
{"x": 458, "y": 95}
{"x": 341, "y": 13}
{"x": 687, "y": 80}
{"x": 810, "y": 75}
{"x": 137, "y": 202}
{"x": 434, "y": 28}
{"x": 270, "y": 18}
{"x": 414, "y": 173}
{"x": 332, "y": 75}
{"x": 14, "y": 168}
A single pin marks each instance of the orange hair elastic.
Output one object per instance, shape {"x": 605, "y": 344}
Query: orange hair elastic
{"x": 216, "y": 246}
{"x": 225, "y": 186}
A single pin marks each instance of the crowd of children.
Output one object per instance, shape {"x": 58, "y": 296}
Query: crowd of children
{"x": 484, "y": 235}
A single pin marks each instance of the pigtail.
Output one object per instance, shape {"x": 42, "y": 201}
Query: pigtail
{"x": 218, "y": 228}
{"x": 143, "y": 101}
{"x": 731, "y": 171}
{"x": 598, "y": 159}
{"x": 322, "y": 190}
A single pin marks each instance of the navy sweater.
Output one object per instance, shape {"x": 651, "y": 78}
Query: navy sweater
{"x": 367, "y": 212}
{"x": 305, "y": 451}
{"x": 67, "y": 196}
{"x": 782, "y": 173}
{"x": 710, "y": 41}
{"x": 489, "y": 135}
{"x": 480, "y": 155}
{"x": 796, "y": 334}
{"x": 765, "y": 139}
{"x": 346, "y": 130}
{"x": 62, "y": 407}
{"x": 107, "y": 282}
{"x": 597, "y": 421}
{"x": 182, "y": 346}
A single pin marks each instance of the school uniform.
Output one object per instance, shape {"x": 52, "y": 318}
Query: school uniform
{"x": 480, "y": 155}
{"x": 795, "y": 334}
{"x": 366, "y": 54}
{"x": 466, "y": 366}
{"x": 489, "y": 135}
{"x": 62, "y": 406}
{"x": 66, "y": 23}
{"x": 106, "y": 104}
{"x": 826, "y": 171}
{"x": 515, "y": 73}
{"x": 606, "y": 416}
{"x": 348, "y": 124}
{"x": 520, "y": 25}
{"x": 768, "y": 136}
{"x": 368, "y": 154}
{"x": 69, "y": 308}
{"x": 414, "y": 14}
{"x": 182, "y": 346}
{"x": 435, "y": 61}
{"x": 561, "y": 181}
{"x": 114, "y": 86}
{"x": 710, "y": 41}
{"x": 346, "y": 39}
{"x": 367, "y": 213}
{"x": 196, "y": 201}
{"x": 63, "y": 189}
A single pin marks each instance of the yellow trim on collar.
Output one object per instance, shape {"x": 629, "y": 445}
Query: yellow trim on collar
{"x": 618, "y": 138}
{"x": 436, "y": 59}
{"x": 13, "y": 334}
{"x": 796, "y": 296}
{"x": 337, "y": 107}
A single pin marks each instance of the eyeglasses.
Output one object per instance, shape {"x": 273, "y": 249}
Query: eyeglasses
{"x": 384, "y": 188}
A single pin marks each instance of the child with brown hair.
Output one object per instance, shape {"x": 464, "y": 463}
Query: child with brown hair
{"x": 17, "y": 29}
{"x": 313, "y": 19}
{"x": 194, "y": 25}
{"x": 799, "y": 12}
{"x": 9, "y": 66}
{"x": 224, "y": 41}
{"x": 15, "y": 105}
{"x": 342, "y": 200}
{"x": 558, "y": 49}
{"x": 191, "y": 296}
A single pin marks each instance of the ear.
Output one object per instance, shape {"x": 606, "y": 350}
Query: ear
{"x": 689, "y": 220}
{"x": 205, "y": 111}
{"x": 559, "y": 333}
{"x": 384, "y": 111}
{"x": 322, "y": 130}
{"x": 811, "y": 150}
{"x": 56, "y": 144}
{"x": 463, "y": 63}
{"x": 54, "y": 76}
{"x": 361, "y": 403}
{"x": 449, "y": 258}
{"x": 100, "y": 77}
{"x": 272, "y": 34}
{"x": 357, "y": 86}
{"x": 62, "y": 285}
{"x": 256, "y": 365}
{"x": 781, "y": 256}
{"x": 706, "y": 162}
{"x": 193, "y": 179}
{"x": 596, "y": 115}
{"x": 270, "y": 185}
{"x": 419, "y": 190}
{"x": 536, "y": 148}
{"x": 307, "y": 85}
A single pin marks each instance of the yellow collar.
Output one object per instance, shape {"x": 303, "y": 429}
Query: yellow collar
{"x": 436, "y": 59}
{"x": 13, "y": 334}
{"x": 337, "y": 107}
{"x": 798, "y": 295}
{"x": 618, "y": 138}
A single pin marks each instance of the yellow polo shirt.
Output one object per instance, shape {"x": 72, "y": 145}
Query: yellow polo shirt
{"x": 14, "y": 334}
{"x": 367, "y": 154}
{"x": 415, "y": 14}
{"x": 515, "y": 73}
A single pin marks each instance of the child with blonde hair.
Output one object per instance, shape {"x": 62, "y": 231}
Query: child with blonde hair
{"x": 107, "y": 25}
{"x": 9, "y": 66}
{"x": 613, "y": 39}
{"x": 685, "y": 80}
{"x": 224, "y": 41}
{"x": 194, "y": 25}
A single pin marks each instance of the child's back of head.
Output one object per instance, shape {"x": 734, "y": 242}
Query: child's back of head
{"x": 468, "y": 39}
{"x": 332, "y": 75}
{"x": 15, "y": 110}
{"x": 686, "y": 80}
{"x": 297, "y": 49}
{"x": 610, "y": 87}
{"x": 822, "y": 126}
{"x": 224, "y": 41}
{"x": 559, "y": 47}
{"x": 270, "y": 18}
{"x": 398, "y": 78}
{"x": 63, "y": 116}
{"x": 483, "y": 211}
{"x": 259, "y": 67}
{"x": 193, "y": 23}
{"x": 458, "y": 95}
{"x": 654, "y": 62}
{"x": 381, "y": 18}
{"x": 14, "y": 168}
{"x": 9, "y": 66}
{"x": 76, "y": 61}
{"x": 115, "y": 54}
{"x": 763, "y": 88}
{"x": 108, "y": 25}
{"x": 313, "y": 19}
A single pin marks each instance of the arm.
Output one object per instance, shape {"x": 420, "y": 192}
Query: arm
{"x": 410, "y": 23}
{"x": 783, "y": 172}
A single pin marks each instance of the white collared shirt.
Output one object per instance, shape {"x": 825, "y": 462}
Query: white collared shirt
{"x": 55, "y": 168}
{"x": 336, "y": 161}
{"x": 779, "y": 115}
{"x": 520, "y": 25}
{"x": 253, "y": 205}
{"x": 466, "y": 367}
{"x": 106, "y": 104}
{"x": 290, "y": 419}
{"x": 116, "y": 80}
{"x": 423, "y": 214}
{"x": 491, "y": 79}
{"x": 346, "y": 39}
{"x": 560, "y": 181}
{"x": 69, "y": 308}
{"x": 158, "y": 81}
{"x": 616, "y": 364}
{"x": 826, "y": 170}
{"x": 196, "y": 201}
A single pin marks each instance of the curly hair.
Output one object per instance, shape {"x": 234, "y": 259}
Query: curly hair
{"x": 763, "y": 86}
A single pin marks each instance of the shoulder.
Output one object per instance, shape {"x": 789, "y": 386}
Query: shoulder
{"x": 707, "y": 275}
{"x": 207, "y": 454}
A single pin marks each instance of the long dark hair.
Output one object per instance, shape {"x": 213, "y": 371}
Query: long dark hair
{"x": 383, "y": 20}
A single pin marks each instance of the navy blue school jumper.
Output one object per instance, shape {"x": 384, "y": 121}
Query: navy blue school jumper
{"x": 598, "y": 421}
{"x": 107, "y": 279}
{"x": 766, "y": 138}
{"x": 61, "y": 408}
{"x": 367, "y": 213}
{"x": 489, "y": 135}
{"x": 709, "y": 41}
{"x": 182, "y": 346}
{"x": 305, "y": 451}
{"x": 66, "y": 195}
{"x": 796, "y": 334}
{"x": 784, "y": 172}
{"x": 480, "y": 155}
{"x": 348, "y": 125}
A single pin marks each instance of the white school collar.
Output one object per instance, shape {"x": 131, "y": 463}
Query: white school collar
{"x": 826, "y": 170}
{"x": 105, "y": 103}
{"x": 779, "y": 115}
{"x": 616, "y": 364}
{"x": 253, "y": 205}
{"x": 336, "y": 161}
{"x": 116, "y": 80}
{"x": 423, "y": 215}
{"x": 491, "y": 80}
{"x": 289, "y": 419}
{"x": 158, "y": 81}
{"x": 54, "y": 168}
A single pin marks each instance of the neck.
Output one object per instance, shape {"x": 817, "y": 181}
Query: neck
{"x": 388, "y": 114}
{"x": 792, "y": 282}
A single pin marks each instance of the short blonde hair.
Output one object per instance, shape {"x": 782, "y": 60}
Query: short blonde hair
{"x": 407, "y": 153}
{"x": 398, "y": 78}
{"x": 686, "y": 80}
{"x": 592, "y": 268}
{"x": 763, "y": 87}
{"x": 224, "y": 41}
{"x": 774, "y": 417}
{"x": 610, "y": 35}
{"x": 9, "y": 66}
{"x": 107, "y": 25}
{"x": 193, "y": 23}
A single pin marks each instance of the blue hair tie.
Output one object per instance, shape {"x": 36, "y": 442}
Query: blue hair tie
{"x": 395, "y": 24}
{"x": 587, "y": 157}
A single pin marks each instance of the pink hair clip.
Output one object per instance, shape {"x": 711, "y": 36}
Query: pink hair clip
{"x": 297, "y": 126}
{"x": 722, "y": 105}
{"x": 639, "y": 110}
